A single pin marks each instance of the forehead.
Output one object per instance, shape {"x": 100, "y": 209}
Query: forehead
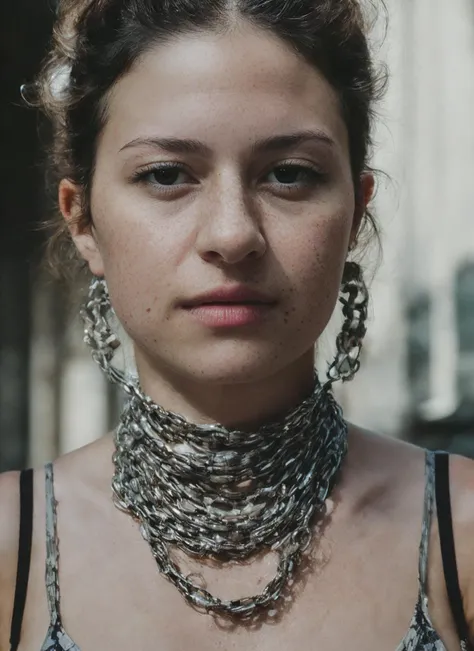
{"x": 225, "y": 88}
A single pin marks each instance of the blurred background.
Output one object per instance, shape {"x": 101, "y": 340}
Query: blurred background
{"x": 417, "y": 376}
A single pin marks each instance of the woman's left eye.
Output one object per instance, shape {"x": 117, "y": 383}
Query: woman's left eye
{"x": 290, "y": 175}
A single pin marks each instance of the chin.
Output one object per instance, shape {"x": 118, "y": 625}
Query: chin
{"x": 238, "y": 363}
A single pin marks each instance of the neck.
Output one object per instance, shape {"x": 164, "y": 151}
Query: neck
{"x": 242, "y": 405}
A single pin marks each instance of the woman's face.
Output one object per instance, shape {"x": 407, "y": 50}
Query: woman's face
{"x": 224, "y": 163}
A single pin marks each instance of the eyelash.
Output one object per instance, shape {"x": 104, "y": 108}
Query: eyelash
{"x": 314, "y": 177}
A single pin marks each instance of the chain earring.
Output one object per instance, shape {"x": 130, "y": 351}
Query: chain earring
{"x": 349, "y": 341}
{"x": 98, "y": 333}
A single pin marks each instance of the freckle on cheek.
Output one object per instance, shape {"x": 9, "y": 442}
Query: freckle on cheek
{"x": 148, "y": 310}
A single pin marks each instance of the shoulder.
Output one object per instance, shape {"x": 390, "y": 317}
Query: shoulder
{"x": 397, "y": 463}
{"x": 9, "y": 526}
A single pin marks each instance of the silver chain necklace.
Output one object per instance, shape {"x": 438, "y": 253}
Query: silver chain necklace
{"x": 214, "y": 492}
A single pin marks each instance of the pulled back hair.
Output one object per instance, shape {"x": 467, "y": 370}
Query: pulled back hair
{"x": 96, "y": 42}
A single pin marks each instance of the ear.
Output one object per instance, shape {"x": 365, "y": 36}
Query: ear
{"x": 84, "y": 239}
{"x": 364, "y": 195}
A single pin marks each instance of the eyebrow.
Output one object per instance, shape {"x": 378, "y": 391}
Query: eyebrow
{"x": 266, "y": 145}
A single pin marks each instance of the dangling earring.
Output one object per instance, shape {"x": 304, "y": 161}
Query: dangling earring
{"x": 350, "y": 339}
{"x": 98, "y": 334}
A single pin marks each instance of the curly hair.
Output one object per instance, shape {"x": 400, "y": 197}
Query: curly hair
{"x": 95, "y": 43}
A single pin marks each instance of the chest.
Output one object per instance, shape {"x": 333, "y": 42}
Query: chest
{"x": 357, "y": 588}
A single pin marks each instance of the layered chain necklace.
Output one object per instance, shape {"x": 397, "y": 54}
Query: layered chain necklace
{"x": 224, "y": 494}
{"x": 217, "y": 493}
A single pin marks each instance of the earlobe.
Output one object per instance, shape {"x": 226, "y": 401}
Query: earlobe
{"x": 87, "y": 246}
{"x": 69, "y": 199}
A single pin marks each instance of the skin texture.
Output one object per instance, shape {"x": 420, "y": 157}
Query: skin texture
{"x": 229, "y": 220}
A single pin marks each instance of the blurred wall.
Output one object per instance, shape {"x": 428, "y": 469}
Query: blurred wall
{"x": 24, "y": 30}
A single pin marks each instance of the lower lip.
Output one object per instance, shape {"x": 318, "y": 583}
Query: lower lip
{"x": 230, "y": 316}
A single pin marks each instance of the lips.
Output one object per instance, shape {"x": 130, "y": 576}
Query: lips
{"x": 233, "y": 295}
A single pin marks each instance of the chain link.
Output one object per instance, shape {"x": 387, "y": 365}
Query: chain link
{"x": 354, "y": 328}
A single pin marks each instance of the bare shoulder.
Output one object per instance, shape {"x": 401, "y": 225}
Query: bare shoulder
{"x": 379, "y": 458}
{"x": 400, "y": 466}
{"x": 9, "y": 525}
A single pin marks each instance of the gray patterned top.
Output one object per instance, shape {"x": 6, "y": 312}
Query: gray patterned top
{"x": 421, "y": 634}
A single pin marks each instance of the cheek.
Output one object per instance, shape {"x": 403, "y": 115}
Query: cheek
{"x": 138, "y": 264}
{"x": 315, "y": 261}
{"x": 139, "y": 242}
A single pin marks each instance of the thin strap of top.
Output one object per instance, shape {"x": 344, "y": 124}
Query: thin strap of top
{"x": 426, "y": 527}
{"x": 448, "y": 551}
{"x": 52, "y": 548}
{"x": 24, "y": 555}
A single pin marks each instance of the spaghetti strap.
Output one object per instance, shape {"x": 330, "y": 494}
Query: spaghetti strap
{"x": 425, "y": 532}
{"x": 56, "y": 638}
{"x": 24, "y": 555}
{"x": 52, "y": 550}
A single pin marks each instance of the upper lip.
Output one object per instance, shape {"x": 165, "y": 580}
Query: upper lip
{"x": 234, "y": 294}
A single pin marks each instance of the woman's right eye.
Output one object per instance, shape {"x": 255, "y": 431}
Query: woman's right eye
{"x": 166, "y": 176}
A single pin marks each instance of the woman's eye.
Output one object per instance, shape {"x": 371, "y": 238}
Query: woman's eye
{"x": 165, "y": 176}
{"x": 291, "y": 175}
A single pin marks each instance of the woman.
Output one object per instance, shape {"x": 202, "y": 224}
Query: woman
{"x": 211, "y": 159}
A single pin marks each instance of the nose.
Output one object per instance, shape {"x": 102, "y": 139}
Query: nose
{"x": 231, "y": 231}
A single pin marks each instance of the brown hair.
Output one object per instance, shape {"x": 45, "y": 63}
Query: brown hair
{"x": 95, "y": 43}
